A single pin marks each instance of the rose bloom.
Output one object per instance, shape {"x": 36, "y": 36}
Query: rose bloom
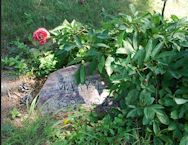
{"x": 41, "y": 35}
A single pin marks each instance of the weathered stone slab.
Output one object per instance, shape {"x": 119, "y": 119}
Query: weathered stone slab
{"x": 60, "y": 91}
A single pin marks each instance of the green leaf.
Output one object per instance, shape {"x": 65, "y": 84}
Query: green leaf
{"x": 157, "y": 106}
{"x": 157, "y": 49}
{"x": 184, "y": 140}
{"x": 156, "y": 128}
{"x": 82, "y": 74}
{"x": 145, "y": 98}
{"x": 133, "y": 9}
{"x": 174, "y": 114}
{"x": 101, "y": 64}
{"x": 131, "y": 97}
{"x": 148, "y": 50}
{"x": 166, "y": 139}
{"x": 163, "y": 118}
{"x": 126, "y": 49}
{"x": 120, "y": 38}
{"x": 135, "y": 41}
{"x": 140, "y": 55}
{"x": 180, "y": 101}
{"x": 108, "y": 67}
{"x": 149, "y": 113}
{"x": 102, "y": 45}
{"x": 92, "y": 66}
{"x": 69, "y": 47}
{"x": 172, "y": 126}
{"x": 133, "y": 113}
{"x": 78, "y": 41}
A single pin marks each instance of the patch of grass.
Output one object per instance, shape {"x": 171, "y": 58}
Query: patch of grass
{"x": 21, "y": 17}
{"x": 35, "y": 132}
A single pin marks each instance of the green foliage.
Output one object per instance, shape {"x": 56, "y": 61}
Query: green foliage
{"x": 144, "y": 58}
{"x": 26, "y": 59}
{"x": 37, "y": 132}
{"x": 24, "y": 16}
{"x": 14, "y": 113}
{"x": 15, "y": 63}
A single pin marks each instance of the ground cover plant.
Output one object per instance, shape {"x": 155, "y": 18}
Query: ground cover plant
{"x": 143, "y": 58}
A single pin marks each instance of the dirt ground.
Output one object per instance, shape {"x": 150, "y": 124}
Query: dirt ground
{"x": 15, "y": 91}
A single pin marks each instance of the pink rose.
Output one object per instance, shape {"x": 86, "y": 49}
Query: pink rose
{"x": 41, "y": 35}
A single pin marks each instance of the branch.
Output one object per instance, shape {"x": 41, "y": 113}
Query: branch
{"x": 164, "y": 5}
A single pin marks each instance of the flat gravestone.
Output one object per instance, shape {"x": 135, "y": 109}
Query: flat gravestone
{"x": 61, "y": 91}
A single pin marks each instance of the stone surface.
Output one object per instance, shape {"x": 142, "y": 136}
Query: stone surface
{"x": 60, "y": 91}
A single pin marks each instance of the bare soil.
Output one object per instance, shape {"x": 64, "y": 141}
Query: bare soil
{"x": 12, "y": 94}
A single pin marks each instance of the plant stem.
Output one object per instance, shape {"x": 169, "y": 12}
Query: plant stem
{"x": 164, "y": 5}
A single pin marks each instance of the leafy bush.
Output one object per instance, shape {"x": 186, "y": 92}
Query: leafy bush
{"x": 144, "y": 58}
{"x": 15, "y": 63}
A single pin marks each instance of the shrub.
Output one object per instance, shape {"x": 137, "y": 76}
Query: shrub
{"x": 144, "y": 58}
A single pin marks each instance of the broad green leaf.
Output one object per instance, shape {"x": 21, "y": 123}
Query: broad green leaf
{"x": 172, "y": 126}
{"x": 140, "y": 55}
{"x": 157, "y": 49}
{"x": 101, "y": 64}
{"x": 69, "y": 47}
{"x": 166, "y": 139}
{"x": 157, "y": 141}
{"x": 163, "y": 118}
{"x": 156, "y": 128}
{"x": 174, "y": 114}
{"x": 82, "y": 74}
{"x": 92, "y": 66}
{"x": 145, "y": 98}
{"x": 131, "y": 97}
{"x": 120, "y": 38}
{"x": 133, "y": 113}
{"x": 135, "y": 40}
{"x": 184, "y": 140}
{"x": 180, "y": 101}
{"x": 145, "y": 121}
{"x": 126, "y": 49}
{"x": 108, "y": 67}
{"x": 167, "y": 101}
{"x": 133, "y": 9}
{"x": 148, "y": 48}
{"x": 78, "y": 41}
{"x": 157, "y": 106}
{"x": 149, "y": 113}
{"x": 102, "y": 45}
